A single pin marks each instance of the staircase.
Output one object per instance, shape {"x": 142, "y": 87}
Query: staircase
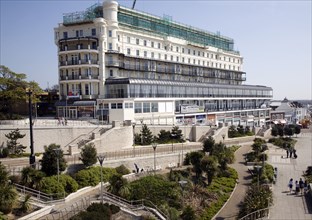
{"x": 135, "y": 206}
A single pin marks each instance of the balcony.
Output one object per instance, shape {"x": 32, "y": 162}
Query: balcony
{"x": 80, "y": 77}
{"x": 79, "y": 62}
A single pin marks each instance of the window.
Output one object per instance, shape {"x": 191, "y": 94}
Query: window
{"x": 138, "y": 107}
{"x": 152, "y": 54}
{"x": 128, "y": 105}
{"x": 77, "y": 33}
{"x": 177, "y": 49}
{"x": 145, "y": 43}
{"x": 93, "y": 31}
{"x": 158, "y": 45}
{"x": 194, "y": 61}
{"x": 110, "y": 46}
{"x": 81, "y": 33}
{"x": 177, "y": 59}
{"x": 189, "y": 51}
{"x": 111, "y": 73}
{"x": 194, "y": 52}
{"x": 145, "y": 53}
{"x": 119, "y": 105}
{"x": 154, "y": 106}
{"x": 171, "y": 48}
{"x": 113, "y": 106}
{"x": 110, "y": 33}
{"x": 146, "y": 107}
{"x": 165, "y": 56}
{"x": 128, "y": 51}
{"x": 189, "y": 60}
{"x": 198, "y": 53}
{"x": 65, "y": 35}
{"x": 203, "y": 54}
{"x": 87, "y": 89}
{"x": 182, "y": 49}
{"x": 128, "y": 40}
{"x": 183, "y": 60}
{"x": 137, "y": 41}
{"x": 152, "y": 44}
{"x": 137, "y": 52}
{"x": 198, "y": 62}
{"x": 171, "y": 58}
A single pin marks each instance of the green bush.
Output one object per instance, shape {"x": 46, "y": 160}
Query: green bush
{"x": 122, "y": 169}
{"x": 115, "y": 209}
{"x": 49, "y": 185}
{"x": 91, "y": 176}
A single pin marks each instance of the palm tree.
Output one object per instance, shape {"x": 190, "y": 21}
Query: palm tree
{"x": 209, "y": 165}
{"x": 25, "y": 204}
{"x": 8, "y": 197}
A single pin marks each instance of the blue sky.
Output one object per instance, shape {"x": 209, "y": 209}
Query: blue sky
{"x": 274, "y": 37}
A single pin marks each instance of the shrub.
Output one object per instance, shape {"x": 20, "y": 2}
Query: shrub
{"x": 122, "y": 169}
{"x": 115, "y": 209}
{"x": 88, "y": 155}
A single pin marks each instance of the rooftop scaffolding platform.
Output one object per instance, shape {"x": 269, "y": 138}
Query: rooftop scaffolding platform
{"x": 81, "y": 17}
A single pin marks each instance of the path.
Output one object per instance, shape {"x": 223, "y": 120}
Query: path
{"x": 291, "y": 206}
{"x": 231, "y": 209}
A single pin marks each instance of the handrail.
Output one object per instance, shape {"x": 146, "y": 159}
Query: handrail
{"x": 257, "y": 214}
{"x": 35, "y": 193}
{"x": 80, "y": 136}
{"x": 140, "y": 203}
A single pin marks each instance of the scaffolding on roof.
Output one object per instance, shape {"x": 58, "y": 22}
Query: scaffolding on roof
{"x": 94, "y": 11}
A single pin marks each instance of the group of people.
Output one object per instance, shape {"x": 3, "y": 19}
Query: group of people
{"x": 298, "y": 186}
{"x": 61, "y": 121}
{"x": 291, "y": 152}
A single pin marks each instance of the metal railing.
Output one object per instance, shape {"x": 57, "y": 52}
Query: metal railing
{"x": 261, "y": 213}
{"x": 135, "y": 204}
{"x": 38, "y": 195}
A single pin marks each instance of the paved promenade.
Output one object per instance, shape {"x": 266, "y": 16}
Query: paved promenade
{"x": 231, "y": 209}
{"x": 286, "y": 205}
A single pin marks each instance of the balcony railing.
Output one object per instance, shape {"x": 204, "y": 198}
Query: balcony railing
{"x": 78, "y": 62}
{"x": 79, "y": 77}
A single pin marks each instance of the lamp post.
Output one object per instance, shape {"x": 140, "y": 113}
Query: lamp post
{"x": 32, "y": 158}
{"x": 223, "y": 137}
{"x": 57, "y": 153}
{"x": 154, "y": 145}
{"x": 182, "y": 185}
{"x": 172, "y": 135}
{"x": 133, "y": 126}
{"x": 101, "y": 159}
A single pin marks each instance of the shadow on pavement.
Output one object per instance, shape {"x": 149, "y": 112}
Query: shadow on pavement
{"x": 308, "y": 199}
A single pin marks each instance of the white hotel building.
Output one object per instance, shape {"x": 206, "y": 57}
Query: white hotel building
{"x": 116, "y": 63}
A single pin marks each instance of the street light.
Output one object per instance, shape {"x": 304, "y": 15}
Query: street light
{"x": 154, "y": 145}
{"x": 32, "y": 158}
{"x": 172, "y": 135}
{"x": 133, "y": 126}
{"x": 101, "y": 159}
{"x": 182, "y": 185}
{"x": 57, "y": 153}
{"x": 223, "y": 136}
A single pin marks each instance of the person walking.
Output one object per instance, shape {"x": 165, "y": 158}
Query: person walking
{"x": 301, "y": 185}
{"x": 297, "y": 187}
{"x": 290, "y": 185}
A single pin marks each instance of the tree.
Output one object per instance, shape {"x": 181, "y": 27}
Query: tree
{"x": 49, "y": 160}
{"x": 13, "y": 90}
{"x": 195, "y": 158}
{"x": 256, "y": 198}
{"x": 14, "y": 146}
{"x": 4, "y": 175}
{"x": 208, "y": 144}
{"x": 32, "y": 177}
{"x": 209, "y": 165}
{"x": 289, "y": 131}
{"x": 232, "y": 132}
{"x": 164, "y": 136}
{"x": 25, "y": 204}
{"x": 297, "y": 129}
{"x": 88, "y": 155}
{"x": 119, "y": 186}
{"x": 147, "y": 136}
{"x": 176, "y": 134}
{"x": 280, "y": 131}
{"x": 8, "y": 197}
{"x": 274, "y": 131}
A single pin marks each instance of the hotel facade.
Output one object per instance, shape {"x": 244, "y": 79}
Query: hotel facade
{"x": 119, "y": 64}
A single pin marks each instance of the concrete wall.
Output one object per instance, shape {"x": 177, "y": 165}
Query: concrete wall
{"x": 61, "y": 135}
